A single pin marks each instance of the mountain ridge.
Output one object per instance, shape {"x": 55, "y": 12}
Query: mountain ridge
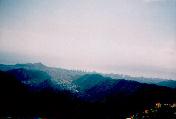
{"x": 65, "y": 76}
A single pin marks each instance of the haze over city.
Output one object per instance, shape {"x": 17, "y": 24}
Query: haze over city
{"x": 135, "y": 37}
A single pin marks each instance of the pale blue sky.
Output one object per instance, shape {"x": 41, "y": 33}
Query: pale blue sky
{"x": 135, "y": 37}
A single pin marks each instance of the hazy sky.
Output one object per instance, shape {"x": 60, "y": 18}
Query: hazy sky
{"x": 136, "y": 37}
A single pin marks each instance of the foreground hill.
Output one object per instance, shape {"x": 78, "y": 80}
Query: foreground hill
{"x": 107, "y": 98}
{"x": 18, "y": 101}
{"x": 30, "y": 90}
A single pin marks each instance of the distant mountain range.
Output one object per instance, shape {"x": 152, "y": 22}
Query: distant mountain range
{"x": 66, "y": 77}
{"x": 168, "y": 83}
{"x": 63, "y": 77}
{"x": 61, "y": 93}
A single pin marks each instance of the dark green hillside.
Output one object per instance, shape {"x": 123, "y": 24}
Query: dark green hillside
{"x": 92, "y": 80}
{"x": 168, "y": 83}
